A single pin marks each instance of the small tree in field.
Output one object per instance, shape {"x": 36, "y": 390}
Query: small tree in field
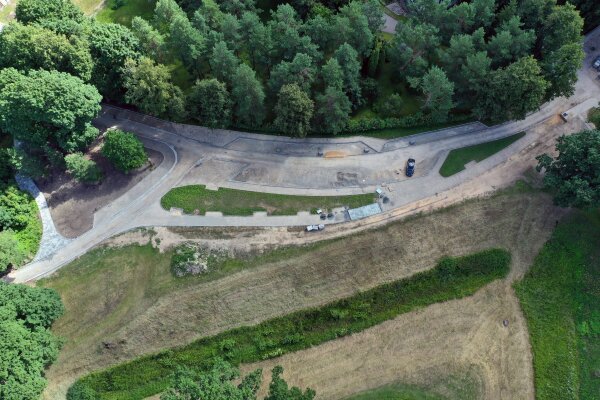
{"x": 124, "y": 150}
{"x": 82, "y": 169}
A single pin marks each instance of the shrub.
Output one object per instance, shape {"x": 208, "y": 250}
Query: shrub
{"x": 124, "y": 150}
{"x": 82, "y": 169}
{"x": 594, "y": 117}
{"x": 371, "y": 124}
{"x": 390, "y": 106}
{"x": 11, "y": 254}
{"x": 14, "y": 209}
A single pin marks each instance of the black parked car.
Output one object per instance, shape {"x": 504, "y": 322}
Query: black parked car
{"x": 410, "y": 167}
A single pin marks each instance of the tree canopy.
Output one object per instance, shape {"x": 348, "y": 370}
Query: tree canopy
{"x": 217, "y": 384}
{"x": 574, "y": 175}
{"x": 48, "y": 107}
{"x": 124, "y": 150}
{"x": 27, "y": 346}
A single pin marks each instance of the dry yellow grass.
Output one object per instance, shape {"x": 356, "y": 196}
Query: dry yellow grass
{"x": 130, "y": 305}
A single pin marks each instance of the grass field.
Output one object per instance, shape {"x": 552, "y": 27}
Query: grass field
{"x": 241, "y": 202}
{"x": 128, "y": 296}
{"x": 397, "y": 392}
{"x": 123, "y": 15}
{"x": 560, "y": 297}
{"x": 452, "y": 278}
{"x": 450, "y": 387}
{"x": 456, "y": 160}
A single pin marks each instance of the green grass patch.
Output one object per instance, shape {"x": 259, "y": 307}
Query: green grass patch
{"x": 124, "y": 14}
{"x": 456, "y": 160}
{"x": 88, "y": 6}
{"x": 397, "y": 392}
{"x": 6, "y": 11}
{"x": 439, "y": 384}
{"x": 560, "y": 297}
{"x": 594, "y": 116}
{"x": 241, "y": 202}
{"x": 452, "y": 278}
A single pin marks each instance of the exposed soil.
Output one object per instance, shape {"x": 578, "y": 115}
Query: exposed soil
{"x": 73, "y": 204}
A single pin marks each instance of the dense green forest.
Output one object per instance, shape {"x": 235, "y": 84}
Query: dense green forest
{"x": 307, "y": 67}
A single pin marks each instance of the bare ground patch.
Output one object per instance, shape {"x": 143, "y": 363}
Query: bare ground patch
{"x": 73, "y": 204}
{"x": 134, "y": 310}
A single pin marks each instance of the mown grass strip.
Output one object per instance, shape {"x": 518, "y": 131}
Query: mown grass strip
{"x": 452, "y": 278}
{"x": 560, "y": 297}
{"x": 242, "y": 202}
{"x": 456, "y": 160}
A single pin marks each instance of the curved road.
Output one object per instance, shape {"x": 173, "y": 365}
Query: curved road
{"x": 291, "y": 166}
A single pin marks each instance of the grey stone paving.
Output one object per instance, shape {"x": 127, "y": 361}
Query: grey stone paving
{"x": 51, "y": 241}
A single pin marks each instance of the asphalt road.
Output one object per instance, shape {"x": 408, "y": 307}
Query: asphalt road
{"x": 291, "y": 166}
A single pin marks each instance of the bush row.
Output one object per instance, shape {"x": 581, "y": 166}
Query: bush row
{"x": 452, "y": 278}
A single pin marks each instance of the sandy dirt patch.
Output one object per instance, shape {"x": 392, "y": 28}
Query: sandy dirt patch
{"x": 73, "y": 204}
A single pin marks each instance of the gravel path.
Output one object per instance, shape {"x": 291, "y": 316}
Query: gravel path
{"x": 51, "y": 241}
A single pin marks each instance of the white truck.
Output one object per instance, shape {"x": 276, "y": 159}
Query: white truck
{"x": 314, "y": 228}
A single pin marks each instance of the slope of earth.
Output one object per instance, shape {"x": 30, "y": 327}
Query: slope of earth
{"x": 126, "y": 297}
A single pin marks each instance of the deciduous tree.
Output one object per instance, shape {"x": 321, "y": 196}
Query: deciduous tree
{"x": 574, "y": 175}
{"x": 111, "y": 45}
{"x": 124, "y": 150}
{"x": 294, "y": 110}
{"x": 26, "y": 344}
{"x": 48, "y": 107}
{"x": 32, "y": 11}
{"x": 560, "y": 69}
{"x": 210, "y": 103}
{"x": 563, "y": 26}
{"x": 27, "y": 47}
{"x": 150, "y": 89}
{"x": 512, "y": 92}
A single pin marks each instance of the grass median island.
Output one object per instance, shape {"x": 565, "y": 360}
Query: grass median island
{"x": 452, "y": 278}
{"x": 456, "y": 160}
{"x": 560, "y": 297}
{"x": 242, "y": 202}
